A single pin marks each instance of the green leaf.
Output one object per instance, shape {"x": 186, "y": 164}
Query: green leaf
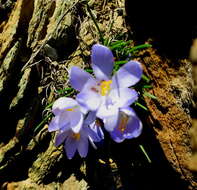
{"x": 115, "y": 43}
{"x": 48, "y": 106}
{"x": 147, "y": 86}
{"x": 139, "y": 47}
{"x": 64, "y": 90}
{"x": 141, "y": 106}
{"x": 40, "y": 125}
{"x": 119, "y": 45}
{"x": 89, "y": 70}
{"x": 145, "y": 78}
{"x": 145, "y": 153}
{"x": 120, "y": 62}
{"x": 149, "y": 95}
{"x": 106, "y": 42}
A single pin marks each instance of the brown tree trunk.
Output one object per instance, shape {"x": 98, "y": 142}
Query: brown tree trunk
{"x": 39, "y": 40}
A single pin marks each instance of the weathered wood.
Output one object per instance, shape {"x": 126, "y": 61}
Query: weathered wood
{"x": 193, "y": 130}
{"x": 170, "y": 117}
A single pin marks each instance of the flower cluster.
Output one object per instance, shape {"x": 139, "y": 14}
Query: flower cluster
{"x": 103, "y": 97}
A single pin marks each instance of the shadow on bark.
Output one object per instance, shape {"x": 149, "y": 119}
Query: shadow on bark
{"x": 133, "y": 170}
{"x": 172, "y": 29}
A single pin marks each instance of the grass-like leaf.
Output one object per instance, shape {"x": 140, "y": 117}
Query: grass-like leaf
{"x": 139, "y": 47}
{"x": 149, "y": 95}
{"x": 141, "y": 106}
{"x": 145, "y": 78}
{"x": 120, "y": 45}
{"x": 40, "y": 125}
{"x": 145, "y": 153}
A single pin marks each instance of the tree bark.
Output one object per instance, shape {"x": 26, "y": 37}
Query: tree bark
{"x": 39, "y": 41}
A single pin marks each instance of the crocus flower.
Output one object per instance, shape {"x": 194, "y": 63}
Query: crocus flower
{"x": 68, "y": 115}
{"x": 117, "y": 100}
{"x": 97, "y": 94}
{"x": 78, "y": 141}
{"x": 129, "y": 126}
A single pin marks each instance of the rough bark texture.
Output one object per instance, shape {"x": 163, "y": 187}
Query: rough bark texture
{"x": 193, "y": 130}
{"x": 39, "y": 40}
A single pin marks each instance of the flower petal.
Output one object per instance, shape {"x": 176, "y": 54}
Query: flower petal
{"x": 54, "y": 124}
{"x": 128, "y": 111}
{"x": 64, "y": 120}
{"x": 78, "y": 78}
{"x": 83, "y": 109}
{"x": 92, "y": 143}
{"x": 117, "y": 136}
{"x": 62, "y": 103}
{"x": 128, "y": 75}
{"x": 76, "y": 121}
{"x": 123, "y": 97}
{"x": 134, "y": 127}
{"x": 102, "y": 62}
{"x": 65, "y": 128}
{"x": 90, "y": 100}
{"x": 70, "y": 147}
{"x": 90, "y": 118}
{"x": 83, "y": 147}
{"x": 95, "y": 132}
{"x": 60, "y": 137}
{"x": 106, "y": 110}
{"x": 111, "y": 122}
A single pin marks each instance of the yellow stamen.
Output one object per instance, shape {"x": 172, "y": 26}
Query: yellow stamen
{"x": 105, "y": 87}
{"x": 123, "y": 123}
{"x": 110, "y": 160}
{"x": 70, "y": 109}
{"x": 101, "y": 161}
{"x": 76, "y": 136}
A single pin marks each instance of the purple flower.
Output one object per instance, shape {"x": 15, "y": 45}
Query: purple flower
{"x": 117, "y": 99}
{"x": 68, "y": 115}
{"x": 97, "y": 128}
{"x": 105, "y": 94}
{"x": 78, "y": 141}
{"x": 129, "y": 126}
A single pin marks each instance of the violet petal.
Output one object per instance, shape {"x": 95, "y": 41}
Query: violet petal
{"x": 78, "y": 78}
{"x": 123, "y": 97}
{"x": 117, "y": 136}
{"x": 102, "y": 62}
{"x": 89, "y": 99}
{"x": 60, "y": 137}
{"x": 70, "y": 147}
{"x": 83, "y": 147}
{"x": 111, "y": 122}
{"x": 62, "y": 104}
{"x": 76, "y": 121}
{"x": 54, "y": 124}
{"x": 128, "y": 75}
{"x": 134, "y": 128}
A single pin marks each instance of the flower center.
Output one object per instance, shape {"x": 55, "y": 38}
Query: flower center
{"x": 76, "y": 136}
{"x": 105, "y": 87}
{"x": 123, "y": 123}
